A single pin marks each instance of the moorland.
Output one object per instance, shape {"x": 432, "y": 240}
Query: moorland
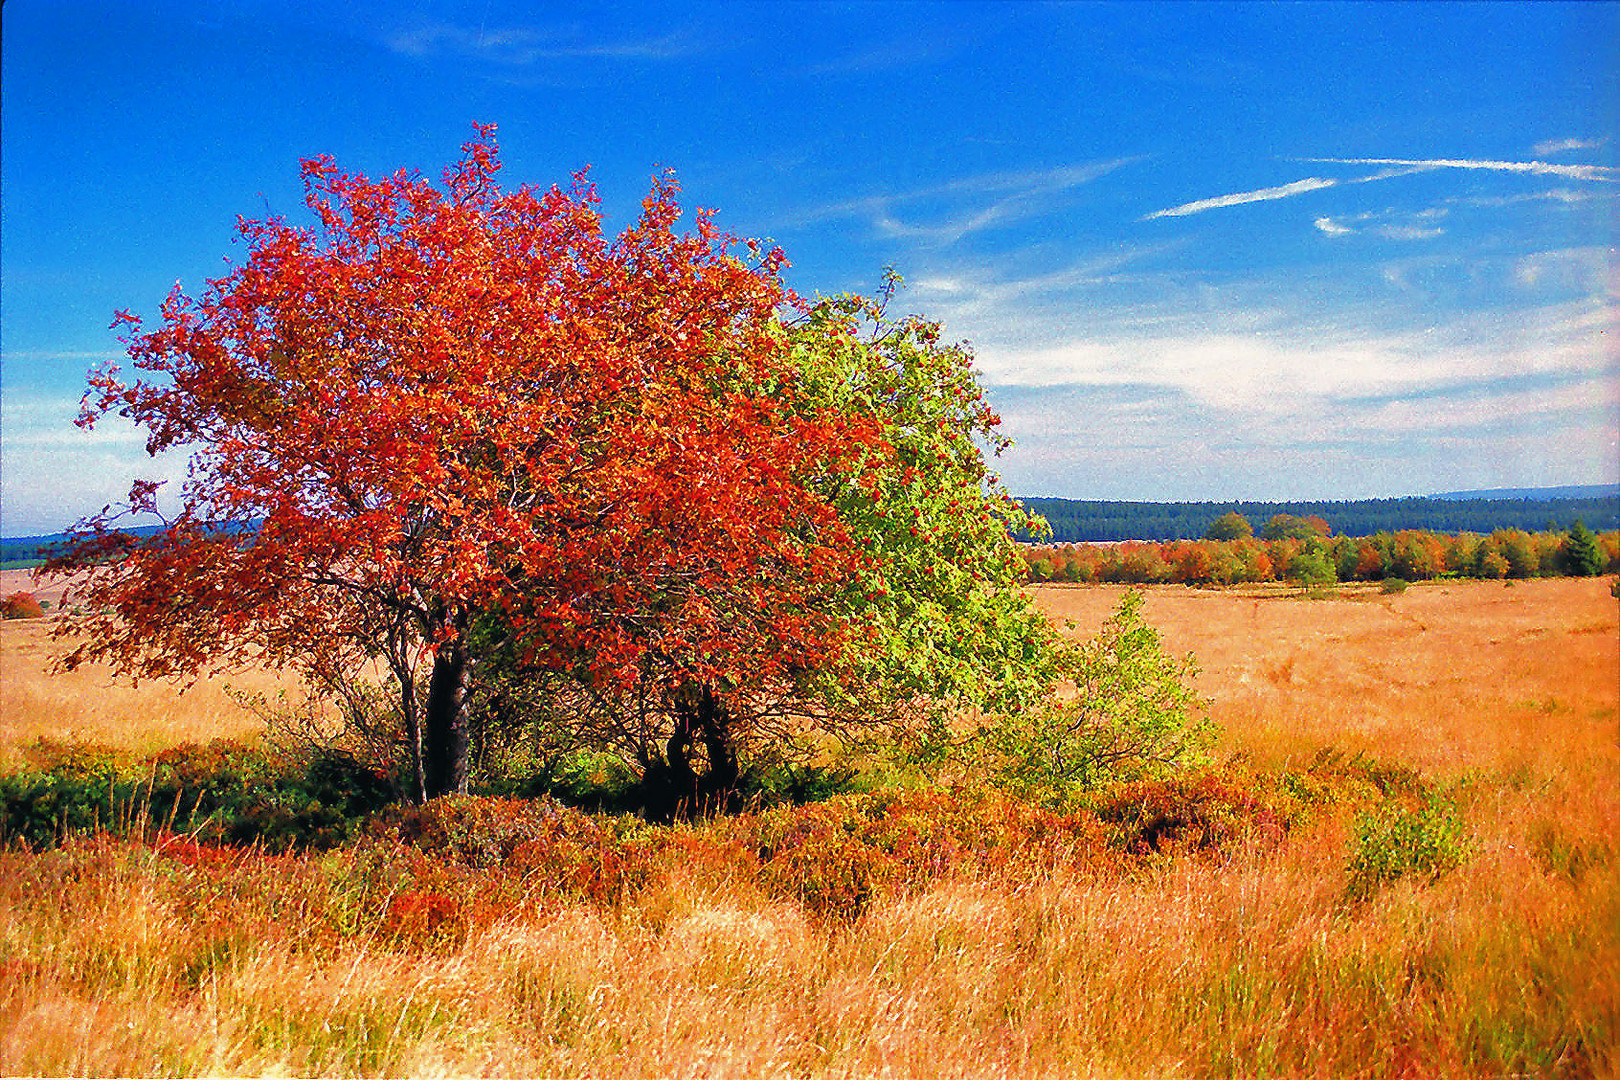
{"x": 1398, "y": 859}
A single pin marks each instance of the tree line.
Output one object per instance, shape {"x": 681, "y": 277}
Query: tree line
{"x": 1090, "y": 521}
{"x": 1303, "y": 550}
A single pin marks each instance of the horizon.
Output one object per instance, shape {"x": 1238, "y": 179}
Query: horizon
{"x": 1552, "y": 494}
{"x": 1310, "y": 253}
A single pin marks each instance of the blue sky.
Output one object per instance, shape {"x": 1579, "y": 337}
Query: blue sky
{"x": 1202, "y": 251}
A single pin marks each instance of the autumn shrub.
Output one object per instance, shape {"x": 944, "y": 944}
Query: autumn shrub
{"x": 1394, "y": 585}
{"x": 424, "y": 919}
{"x": 1402, "y": 838}
{"x": 21, "y": 605}
{"x": 1206, "y": 812}
{"x": 220, "y": 791}
{"x": 564, "y": 851}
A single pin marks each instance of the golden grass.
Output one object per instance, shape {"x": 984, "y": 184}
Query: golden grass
{"x": 1444, "y": 677}
{"x": 89, "y": 705}
{"x": 114, "y": 961}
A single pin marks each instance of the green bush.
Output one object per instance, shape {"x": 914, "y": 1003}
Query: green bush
{"x": 1133, "y": 715}
{"x": 1399, "y": 840}
{"x": 67, "y": 788}
{"x": 1394, "y": 585}
{"x": 221, "y": 791}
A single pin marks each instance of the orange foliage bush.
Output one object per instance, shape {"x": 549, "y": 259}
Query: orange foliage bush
{"x": 21, "y": 605}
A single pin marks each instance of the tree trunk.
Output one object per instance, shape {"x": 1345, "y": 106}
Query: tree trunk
{"x": 445, "y": 753}
{"x": 672, "y": 789}
{"x": 720, "y": 782}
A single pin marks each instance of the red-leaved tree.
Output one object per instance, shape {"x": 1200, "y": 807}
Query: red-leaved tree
{"x": 447, "y": 402}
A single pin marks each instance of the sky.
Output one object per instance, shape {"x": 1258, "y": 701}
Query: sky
{"x": 1202, "y": 251}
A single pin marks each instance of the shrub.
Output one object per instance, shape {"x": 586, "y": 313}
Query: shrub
{"x": 1394, "y": 585}
{"x": 67, "y": 788}
{"x": 1426, "y": 840}
{"x": 1208, "y": 812}
{"x": 1134, "y": 714}
{"x": 221, "y": 791}
{"x": 21, "y": 605}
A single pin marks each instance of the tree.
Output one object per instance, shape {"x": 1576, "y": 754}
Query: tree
{"x": 1290, "y": 527}
{"x": 935, "y": 619}
{"x": 1230, "y": 526}
{"x": 439, "y": 407}
{"x": 1580, "y": 554}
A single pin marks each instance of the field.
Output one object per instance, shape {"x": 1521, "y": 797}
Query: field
{"x": 1031, "y": 945}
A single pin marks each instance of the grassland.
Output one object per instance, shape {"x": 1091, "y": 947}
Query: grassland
{"x": 1030, "y": 946}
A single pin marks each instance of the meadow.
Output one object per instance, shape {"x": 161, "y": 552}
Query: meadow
{"x": 1401, "y": 860}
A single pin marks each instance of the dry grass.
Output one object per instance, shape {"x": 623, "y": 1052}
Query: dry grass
{"x": 117, "y": 961}
{"x": 1444, "y": 677}
{"x": 88, "y": 705}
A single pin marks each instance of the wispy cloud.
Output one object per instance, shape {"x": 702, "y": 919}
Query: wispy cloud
{"x": 1283, "y": 191}
{"x": 990, "y": 199}
{"x": 1604, "y": 173}
{"x": 1559, "y": 146}
{"x": 1558, "y": 195}
{"x": 1306, "y": 402}
{"x": 518, "y": 46}
{"x": 1389, "y": 224}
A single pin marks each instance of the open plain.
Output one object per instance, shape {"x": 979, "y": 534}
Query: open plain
{"x": 148, "y": 956}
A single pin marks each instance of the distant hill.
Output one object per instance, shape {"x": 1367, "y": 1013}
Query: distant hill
{"x": 23, "y": 551}
{"x": 1076, "y": 520}
{"x": 1580, "y": 491}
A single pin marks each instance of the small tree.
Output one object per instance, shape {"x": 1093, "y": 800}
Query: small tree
{"x": 1292, "y": 527}
{"x": 1580, "y": 554}
{"x": 443, "y": 405}
{"x": 1133, "y": 715}
{"x": 1230, "y": 526}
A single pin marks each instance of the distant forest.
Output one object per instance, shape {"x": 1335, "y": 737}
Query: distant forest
{"x": 1078, "y": 521}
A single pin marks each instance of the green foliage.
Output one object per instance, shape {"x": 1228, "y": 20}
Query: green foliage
{"x": 1400, "y": 840}
{"x": 66, "y": 788}
{"x": 1293, "y": 527}
{"x": 223, "y": 791}
{"x": 938, "y": 618}
{"x": 1312, "y": 567}
{"x": 1580, "y": 554}
{"x": 1393, "y": 585}
{"x": 1133, "y": 715}
{"x": 1229, "y": 526}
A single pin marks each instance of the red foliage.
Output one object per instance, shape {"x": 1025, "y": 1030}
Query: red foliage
{"x": 445, "y": 403}
{"x": 424, "y": 918}
{"x": 21, "y": 605}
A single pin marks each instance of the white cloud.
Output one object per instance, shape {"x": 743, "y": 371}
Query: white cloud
{"x": 1306, "y": 410}
{"x": 1558, "y": 146}
{"x": 993, "y": 199}
{"x": 1332, "y": 228}
{"x": 1409, "y": 232}
{"x": 1604, "y": 173}
{"x": 1559, "y": 195}
{"x": 518, "y": 47}
{"x": 1284, "y": 191}
{"x": 1401, "y": 167}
